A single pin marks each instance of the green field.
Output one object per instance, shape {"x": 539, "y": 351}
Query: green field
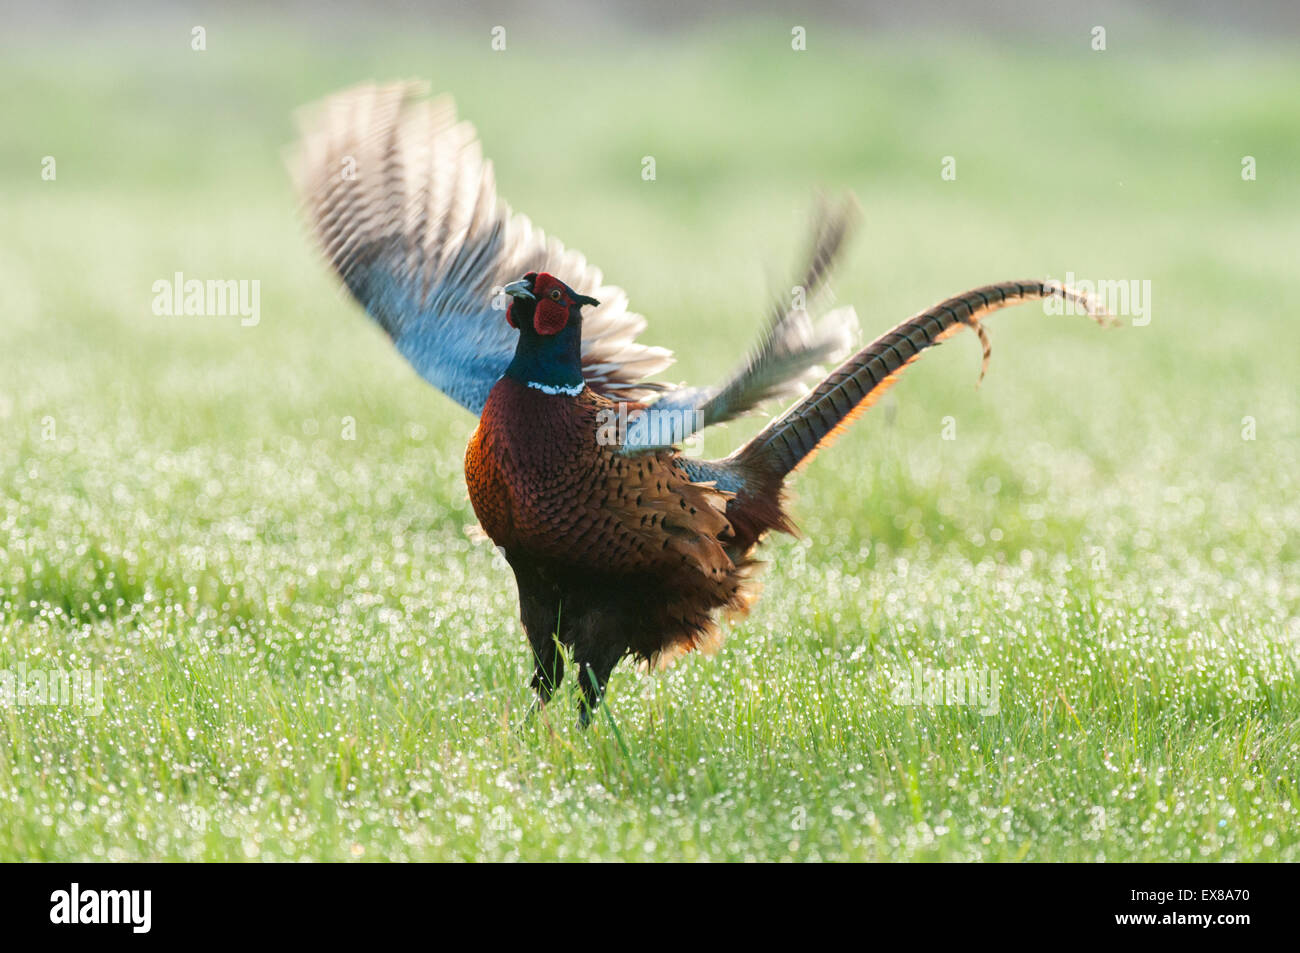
{"x": 304, "y": 654}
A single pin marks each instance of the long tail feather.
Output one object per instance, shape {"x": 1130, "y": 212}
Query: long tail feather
{"x": 814, "y": 422}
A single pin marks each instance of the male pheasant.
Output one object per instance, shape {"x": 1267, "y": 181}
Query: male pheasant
{"x": 620, "y": 545}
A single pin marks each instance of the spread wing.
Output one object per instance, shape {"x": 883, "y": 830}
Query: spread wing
{"x": 405, "y": 208}
{"x": 791, "y": 348}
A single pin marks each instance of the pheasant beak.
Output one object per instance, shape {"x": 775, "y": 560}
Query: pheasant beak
{"x": 520, "y": 289}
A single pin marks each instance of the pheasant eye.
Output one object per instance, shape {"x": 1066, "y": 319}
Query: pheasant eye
{"x": 555, "y": 294}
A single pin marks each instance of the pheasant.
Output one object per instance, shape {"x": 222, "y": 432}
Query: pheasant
{"x": 620, "y": 544}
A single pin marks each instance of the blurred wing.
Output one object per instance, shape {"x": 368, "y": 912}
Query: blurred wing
{"x": 405, "y": 207}
{"x": 792, "y": 348}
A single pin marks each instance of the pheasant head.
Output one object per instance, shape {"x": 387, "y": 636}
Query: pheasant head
{"x": 548, "y": 315}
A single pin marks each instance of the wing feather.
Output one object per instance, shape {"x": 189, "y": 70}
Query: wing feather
{"x": 404, "y": 207}
{"x": 791, "y": 350}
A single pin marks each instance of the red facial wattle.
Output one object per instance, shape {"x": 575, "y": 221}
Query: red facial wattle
{"x": 551, "y": 316}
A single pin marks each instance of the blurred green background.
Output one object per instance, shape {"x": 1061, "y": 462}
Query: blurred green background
{"x": 306, "y": 656}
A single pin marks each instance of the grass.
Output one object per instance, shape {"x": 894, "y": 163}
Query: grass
{"x": 304, "y": 655}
